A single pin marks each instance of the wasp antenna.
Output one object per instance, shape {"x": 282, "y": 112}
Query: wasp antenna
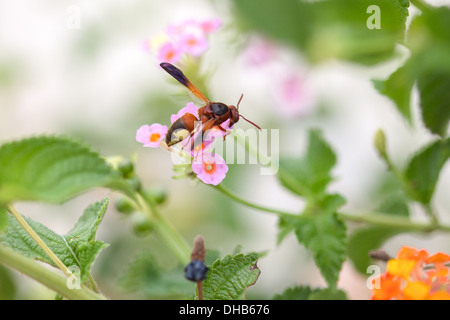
{"x": 250, "y": 122}
{"x": 237, "y": 106}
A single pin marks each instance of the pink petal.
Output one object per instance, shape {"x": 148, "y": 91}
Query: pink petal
{"x": 293, "y": 95}
{"x": 211, "y": 25}
{"x": 194, "y": 44}
{"x": 215, "y": 177}
{"x": 169, "y": 53}
{"x": 189, "y": 108}
{"x": 145, "y": 132}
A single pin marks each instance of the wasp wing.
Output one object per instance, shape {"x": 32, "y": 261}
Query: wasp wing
{"x": 181, "y": 78}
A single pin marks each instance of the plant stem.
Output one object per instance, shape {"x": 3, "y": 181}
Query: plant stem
{"x": 372, "y": 218}
{"x": 45, "y": 276}
{"x": 431, "y": 214}
{"x": 171, "y": 237}
{"x": 420, "y": 4}
{"x": 200, "y": 290}
{"x": 387, "y": 220}
{"x": 250, "y": 204}
{"x": 38, "y": 240}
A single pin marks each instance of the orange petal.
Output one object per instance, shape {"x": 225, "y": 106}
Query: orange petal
{"x": 389, "y": 288}
{"x": 439, "y": 257}
{"x": 416, "y": 290}
{"x": 440, "y": 295}
{"x": 411, "y": 253}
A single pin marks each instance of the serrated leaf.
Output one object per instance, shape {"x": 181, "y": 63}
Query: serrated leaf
{"x": 78, "y": 248}
{"x": 424, "y": 169}
{"x": 51, "y": 169}
{"x": 430, "y": 44}
{"x": 310, "y": 175}
{"x": 228, "y": 278}
{"x": 434, "y": 88}
{"x": 325, "y": 237}
{"x": 87, "y": 225}
{"x": 320, "y": 230}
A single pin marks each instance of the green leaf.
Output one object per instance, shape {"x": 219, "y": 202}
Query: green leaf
{"x": 398, "y": 88}
{"x": 51, "y": 169}
{"x": 429, "y": 36}
{"x": 364, "y": 240}
{"x": 145, "y": 276}
{"x": 76, "y": 249}
{"x": 310, "y": 175}
{"x": 395, "y": 204}
{"x": 434, "y": 88}
{"x": 228, "y": 278}
{"x": 306, "y": 293}
{"x": 328, "y": 294}
{"x": 296, "y": 293}
{"x": 429, "y": 66}
{"x": 424, "y": 169}
{"x": 327, "y": 29}
{"x": 322, "y": 232}
{"x": 3, "y": 218}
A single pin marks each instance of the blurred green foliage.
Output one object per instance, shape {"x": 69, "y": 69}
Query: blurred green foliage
{"x": 53, "y": 169}
{"x": 328, "y": 29}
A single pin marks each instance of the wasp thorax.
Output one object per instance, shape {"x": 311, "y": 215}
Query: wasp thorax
{"x": 219, "y": 108}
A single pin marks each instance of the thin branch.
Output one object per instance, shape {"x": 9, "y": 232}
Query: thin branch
{"x": 38, "y": 240}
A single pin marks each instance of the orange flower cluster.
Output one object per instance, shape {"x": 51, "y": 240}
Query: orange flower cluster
{"x": 414, "y": 275}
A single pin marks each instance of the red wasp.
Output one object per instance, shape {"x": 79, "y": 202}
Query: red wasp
{"x": 212, "y": 115}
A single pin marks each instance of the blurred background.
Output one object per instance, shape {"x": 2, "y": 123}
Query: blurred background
{"x": 97, "y": 81}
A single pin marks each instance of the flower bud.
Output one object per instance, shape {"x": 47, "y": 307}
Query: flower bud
{"x": 158, "y": 194}
{"x": 135, "y": 183}
{"x": 142, "y": 225}
{"x": 125, "y": 167}
{"x": 123, "y": 205}
{"x": 380, "y": 143}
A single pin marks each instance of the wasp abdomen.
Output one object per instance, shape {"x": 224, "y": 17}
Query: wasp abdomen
{"x": 181, "y": 129}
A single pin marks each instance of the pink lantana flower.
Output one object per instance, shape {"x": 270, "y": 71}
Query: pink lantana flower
{"x": 260, "y": 52}
{"x": 189, "y": 108}
{"x": 151, "y": 136}
{"x": 169, "y": 53}
{"x": 188, "y": 37}
{"x": 294, "y": 95}
{"x": 200, "y": 145}
{"x": 211, "y": 25}
{"x": 193, "y": 43}
{"x": 210, "y": 168}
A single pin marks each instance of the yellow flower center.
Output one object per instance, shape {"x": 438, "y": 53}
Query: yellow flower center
{"x": 416, "y": 290}
{"x": 210, "y": 168}
{"x": 192, "y": 42}
{"x": 154, "y": 137}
